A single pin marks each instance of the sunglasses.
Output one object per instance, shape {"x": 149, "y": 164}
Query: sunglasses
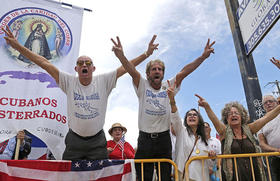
{"x": 87, "y": 62}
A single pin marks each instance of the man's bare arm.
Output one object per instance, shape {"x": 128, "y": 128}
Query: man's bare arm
{"x": 35, "y": 58}
{"x": 259, "y": 123}
{"x": 189, "y": 68}
{"x": 265, "y": 147}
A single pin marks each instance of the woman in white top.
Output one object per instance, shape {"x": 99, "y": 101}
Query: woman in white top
{"x": 190, "y": 140}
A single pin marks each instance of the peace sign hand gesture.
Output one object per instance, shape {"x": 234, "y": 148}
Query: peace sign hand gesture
{"x": 208, "y": 49}
{"x": 170, "y": 90}
{"x": 152, "y": 46}
{"x": 10, "y": 39}
{"x": 117, "y": 48}
{"x": 275, "y": 62}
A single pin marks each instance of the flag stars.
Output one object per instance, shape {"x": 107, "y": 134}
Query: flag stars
{"x": 101, "y": 163}
{"x": 77, "y": 165}
{"x": 89, "y": 164}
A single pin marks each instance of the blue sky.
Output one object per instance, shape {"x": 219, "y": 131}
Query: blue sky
{"x": 183, "y": 27}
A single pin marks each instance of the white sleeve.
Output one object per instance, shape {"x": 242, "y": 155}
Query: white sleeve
{"x": 219, "y": 147}
{"x": 141, "y": 87}
{"x": 110, "y": 79}
{"x": 64, "y": 79}
{"x": 260, "y": 132}
{"x": 176, "y": 122}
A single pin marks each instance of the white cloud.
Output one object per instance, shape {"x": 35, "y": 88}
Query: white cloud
{"x": 182, "y": 26}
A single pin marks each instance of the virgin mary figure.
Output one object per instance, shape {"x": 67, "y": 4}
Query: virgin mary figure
{"x": 37, "y": 43}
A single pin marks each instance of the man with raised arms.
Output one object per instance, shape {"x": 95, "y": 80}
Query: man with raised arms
{"x": 154, "y": 109}
{"x": 87, "y": 97}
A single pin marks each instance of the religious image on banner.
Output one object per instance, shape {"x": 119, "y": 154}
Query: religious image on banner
{"x": 41, "y": 31}
{"x": 30, "y": 98}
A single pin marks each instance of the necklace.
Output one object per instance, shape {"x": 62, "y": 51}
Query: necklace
{"x": 197, "y": 151}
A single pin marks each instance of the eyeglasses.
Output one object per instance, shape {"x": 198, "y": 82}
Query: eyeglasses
{"x": 232, "y": 113}
{"x": 269, "y": 101}
{"x": 87, "y": 62}
{"x": 191, "y": 115}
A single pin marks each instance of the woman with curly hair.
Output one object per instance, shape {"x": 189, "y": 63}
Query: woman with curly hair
{"x": 236, "y": 136}
{"x": 190, "y": 140}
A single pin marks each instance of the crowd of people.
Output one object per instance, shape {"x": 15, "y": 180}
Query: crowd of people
{"x": 157, "y": 112}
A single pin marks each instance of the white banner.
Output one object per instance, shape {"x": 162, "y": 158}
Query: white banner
{"x": 29, "y": 97}
{"x": 255, "y": 18}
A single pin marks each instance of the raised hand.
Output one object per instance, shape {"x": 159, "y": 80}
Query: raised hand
{"x": 208, "y": 49}
{"x": 10, "y": 39}
{"x": 201, "y": 102}
{"x": 170, "y": 90}
{"x": 117, "y": 48}
{"x": 275, "y": 62}
{"x": 109, "y": 150}
{"x": 152, "y": 46}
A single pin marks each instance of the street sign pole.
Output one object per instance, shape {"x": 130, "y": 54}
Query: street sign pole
{"x": 246, "y": 65}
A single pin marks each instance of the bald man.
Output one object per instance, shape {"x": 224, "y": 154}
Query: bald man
{"x": 269, "y": 137}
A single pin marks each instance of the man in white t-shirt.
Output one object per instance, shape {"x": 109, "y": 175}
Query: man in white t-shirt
{"x": 213, "y": 145}
{"x": 154, "y": 110}
{"x": 87, "y": 97}
{"x": 269, "y": 137}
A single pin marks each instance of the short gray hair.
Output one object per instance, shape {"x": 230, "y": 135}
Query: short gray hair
{"x": 268, "y": 95}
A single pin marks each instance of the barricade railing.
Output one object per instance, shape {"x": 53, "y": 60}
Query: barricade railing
{"x": 158, "y": 161}
{"x": 234, "y": 156}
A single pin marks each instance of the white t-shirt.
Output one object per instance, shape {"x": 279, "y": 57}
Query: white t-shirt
{"x": 271, "y": 132}
{"x": 86, "y": 105}
{"x": 184, "y": 145}
{"x": 154, "y": 107}
{"x": 215, "y": 145}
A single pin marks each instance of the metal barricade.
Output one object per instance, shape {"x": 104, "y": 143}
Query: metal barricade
{"x": 234, "y": 156}
{"x": 158, "y": 161}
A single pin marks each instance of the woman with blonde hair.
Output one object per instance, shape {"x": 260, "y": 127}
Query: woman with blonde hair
{"x": 236, "y": 136}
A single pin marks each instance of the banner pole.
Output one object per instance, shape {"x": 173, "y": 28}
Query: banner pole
{"x": 17, "y": 149}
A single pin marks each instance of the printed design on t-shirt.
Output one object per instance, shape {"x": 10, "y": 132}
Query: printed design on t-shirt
{"x": 152, "y": 98}
{"x": 213, "y": 147}
{"x": 84, "y": 103}
{"x": 94, "y": 96}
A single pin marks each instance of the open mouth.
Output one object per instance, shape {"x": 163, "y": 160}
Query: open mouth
{"x": 157, "y": 77}
{"x": 192, "y": 120}
{"x": 84, "y": 71}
